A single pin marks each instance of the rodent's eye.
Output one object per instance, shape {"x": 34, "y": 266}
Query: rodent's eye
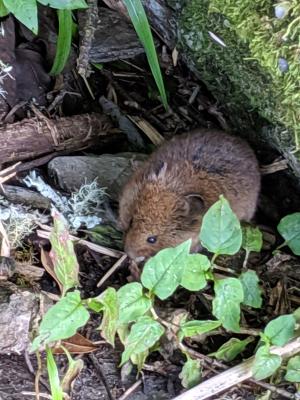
{"x": 151, "y": 239}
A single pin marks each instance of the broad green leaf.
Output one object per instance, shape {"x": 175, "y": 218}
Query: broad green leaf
{"x": 289, "y": 229}
{"x": 229, "y": 350}
{"x": 192, "y": 328}
{"x": 252, "y": 291}
{"x": 139, "y": 359}
{"x": 162, "y": 273}
{"x": 221, "y": 231}
{"x": 63, "y": 255}
{"x": 64, "y": 4}
{"x": 140, "y": 22}
{"x": 123, "y": 332}
{"x": 64, "y": 41}
{"x": 62, "y": 320}
{"x": 110, "y": 317}
{"x": 281, "y": 329}
{"x": 132, "y": 302}
{"x": 226, "y": 304}
{"x": 3, "y": 10}
{"x": 143, "y": 335}
{"x": 94, "y": 304}
{"x": 56, "y": 390}
{"x": 25, "y": 11}
{"x": 252, "y": 239}
{"x": 191, "y": 373}
{"x": 193, "y": 277}
{"x": 265, "y": 363}
{"x": 293, "y": 369}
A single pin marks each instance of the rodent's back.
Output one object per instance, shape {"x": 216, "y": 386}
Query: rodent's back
{"x": 210, "y": 163}
{"x": 205, "y": 163}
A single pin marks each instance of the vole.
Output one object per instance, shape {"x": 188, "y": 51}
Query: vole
{"x": 164, "y": 201}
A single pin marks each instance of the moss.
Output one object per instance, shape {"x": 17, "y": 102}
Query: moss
{"x": 259, "y": 68}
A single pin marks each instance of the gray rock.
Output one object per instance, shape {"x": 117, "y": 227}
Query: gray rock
{"x": 16, "y": 313}
{"x": 111, "y": 171}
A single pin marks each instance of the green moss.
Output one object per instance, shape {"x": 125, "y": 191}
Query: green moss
{"x": 245, "y": 75}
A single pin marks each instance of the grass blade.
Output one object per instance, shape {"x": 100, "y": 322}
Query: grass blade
{"x": 141, "y": 25}
{"x": 64, "y": 41}
{"x": 56, "y": 391}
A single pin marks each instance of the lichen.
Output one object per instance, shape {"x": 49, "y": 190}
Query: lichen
{"x": 257, "y": 72}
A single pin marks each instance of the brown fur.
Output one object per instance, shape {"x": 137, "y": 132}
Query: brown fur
{"x": 168, "y": 196}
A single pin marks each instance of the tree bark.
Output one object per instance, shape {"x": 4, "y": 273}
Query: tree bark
{"x": 35, "y": 137}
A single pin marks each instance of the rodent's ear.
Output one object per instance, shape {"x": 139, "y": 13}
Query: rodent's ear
{"x": 194, "y": 204}
{"x": 159, "y": 172}
{"x": 127, "y": 202}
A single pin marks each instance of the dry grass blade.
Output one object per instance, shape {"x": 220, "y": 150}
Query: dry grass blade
{"x": 95, "y": 247}
{"x": 234, "y": 376}
{"x": 111, "y": 270}
{"x": 148, "y": 129}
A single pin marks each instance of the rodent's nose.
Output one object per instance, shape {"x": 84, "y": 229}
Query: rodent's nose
{"x": 132, "y": 254}
{"x": 128, "y": 250}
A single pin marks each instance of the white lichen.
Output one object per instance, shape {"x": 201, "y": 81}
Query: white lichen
{"x": 83, "y": 208}
{"x": 5, "y": 70}
{"x": 18, "y": 221}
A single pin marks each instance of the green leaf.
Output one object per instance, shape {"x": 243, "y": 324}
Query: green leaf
{"x": 281, "y": 329}
{"x": 293, "y": 369}
{"x": 229, "y": 350}
{"x": 265, "y": 363}
{"x": 110, "y": 317}
{"x": 221, "y": 231}
{"x": 162, "y": 273}
{"x": 143, "y": 335}
{"x": 289, "y": 229}
{"x": 139, "y": 359}
{"x": 193, "y": 277}
{"x": 106, "y": 235}
{"x": 192, "y": 328}
{"x": 226, "y": 304}
{"x": 64, "y": 4}
{"x": 25, "y": 11}
{"x": 191, "y": 373}
{"x": 3, "y": 10}
{"x": 62, "y": 320}
{"x": 64, "y": 41}
{"x": 56, "y": 390}
{"x": 252, "y": 291}
{"x": 74, "y": 369}
{"x": 252, "y": 239}
{"x": 132, "y": 302}
{"x": 63, "y": 255}
{"x": 140, "y": 22}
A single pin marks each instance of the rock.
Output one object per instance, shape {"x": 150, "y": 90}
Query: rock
{"x": 111, "y": 171}
{"x": 16, "y": 313}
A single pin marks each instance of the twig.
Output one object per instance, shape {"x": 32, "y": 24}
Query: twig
{"x": 132, "y": 388}
{"x": 88, "y": 19}
{"x": 233, "y": 376}
{"x": 8, "y": 173}
{"x": 31, "y": 370}
{"x": 111, "y": 270}
{"x": 92, "y": 246}
{"x": 37, "y": 376}
{"x": 98, "y": 369}
{"x": 42, "y": 395}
